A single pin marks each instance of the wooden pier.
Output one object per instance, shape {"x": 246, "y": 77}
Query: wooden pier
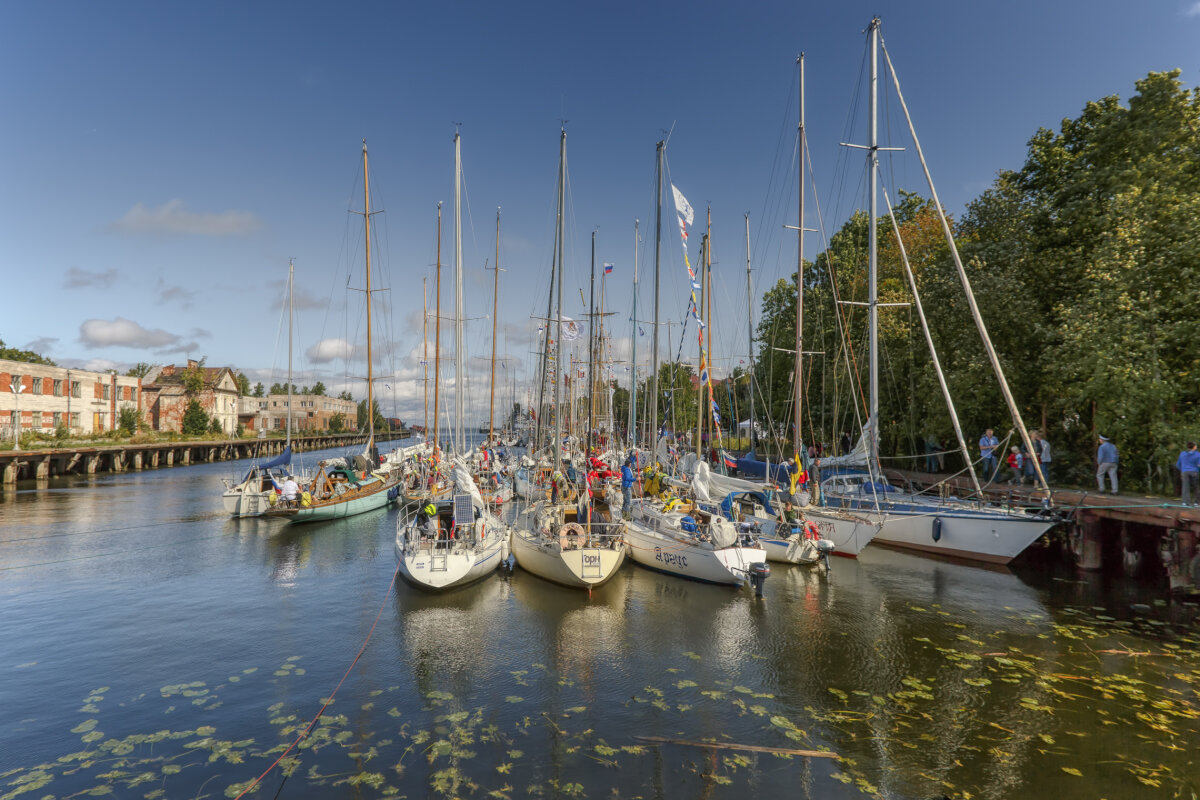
{"x": 1100, "y": 527}
{"x": 42, "y": 464}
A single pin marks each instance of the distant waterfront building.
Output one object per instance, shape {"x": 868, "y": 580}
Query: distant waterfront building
{"x": 166, "y": 397}
{"x": 311, "y": 412}
{"x": 82, "y": 401}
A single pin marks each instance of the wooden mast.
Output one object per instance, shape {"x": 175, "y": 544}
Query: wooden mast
{"x": 799, "y": 371}
{"x": 425, "y": 347}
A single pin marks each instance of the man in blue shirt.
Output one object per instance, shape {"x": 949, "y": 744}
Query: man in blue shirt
{"x": 987, "y": 448}
{"x": 627, "y": 486}
{"x": 1106, "y": 464}
{"x": 1189, "y": 471}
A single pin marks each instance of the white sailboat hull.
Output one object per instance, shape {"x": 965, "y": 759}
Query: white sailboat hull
{"x": 245, "y": 503}
{"x": 996, "y": 538}
{"x": 850, "y": 533}
{"x": 677, "y": 555}
{"x": 583, "y": 567}
{"x": 437, "y": 566}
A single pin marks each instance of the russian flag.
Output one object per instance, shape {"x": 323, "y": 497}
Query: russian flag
{"x": 608, "y": 268}
{"x": 729, "y": 460}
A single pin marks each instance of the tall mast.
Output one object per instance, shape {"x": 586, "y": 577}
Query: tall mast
{"x": 558, "y": 363}
{"x": 592, "y": 348}
{"x": 873, "y": 276}
{"x": 633, "y": 359}
{"x": 658, "y": 173}
{"x": 437, "y": 336}
{"x": 370, "y": 377}
{"x": 700, "y": 348}
{"x": 425, "y": 347}
{"x": 291, "y": 311}
{"x": 706, "y": 393}
{"x": 750, "y": 328}
{"x": 459, "y": 371}
{"x": 495, "y": 310}
{"x": 799, "y": 373}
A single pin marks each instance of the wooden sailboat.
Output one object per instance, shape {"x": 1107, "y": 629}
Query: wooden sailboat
{"x": 349, "y": 486}
{"x": 445, "y": 544}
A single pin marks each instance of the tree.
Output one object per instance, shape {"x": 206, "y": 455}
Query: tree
{"x": 139, "y": 370}
{"x": 380, "y": 422}
{"x": 214, "y": 426}
{"x": 337, "y": 423}
{"x": 127, "y": 420}
{"x": 195, "y": 421}
{"x": 243, "y": 384}
{"x": 345, "y": 395}
{"x": 193, "y": 378}
{"x": 258, "y": 390}
{"x": 318, "y": 389}
{"x": 25, "y": 356}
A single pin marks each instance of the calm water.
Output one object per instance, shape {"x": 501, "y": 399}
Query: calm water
{"x": 151, "y": 647}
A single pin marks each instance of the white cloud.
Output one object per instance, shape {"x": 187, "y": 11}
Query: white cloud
{"x": 173, "y": 218}
{"x": 122, "y": 332}
{"x": 94, "y": 364}
{"x": 167, "y": 294}
{"x": 1193, "y": 10}
{"x": 82, "y": 278}
{"x": 328, "y": 350}
{"x": 301, "y": 299}
{"x": 42, "y": 344}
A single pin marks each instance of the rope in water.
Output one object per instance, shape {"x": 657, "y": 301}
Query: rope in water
{"x": 328, "y": 700}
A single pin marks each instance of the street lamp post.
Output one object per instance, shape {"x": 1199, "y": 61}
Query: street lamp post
{"x": 17, "y": 387}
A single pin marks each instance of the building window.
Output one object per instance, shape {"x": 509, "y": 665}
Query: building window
{"x": 105, "y": 396}
{"x": 278, "y": 423}
{"x": 58, "y": 417}
{"x": 75, "y": 417}
{"x": 58, "y": 388}
{"x": 133, "y": 393}
{"x": 36, "y": 385}
{"x": 37, "y": 420}
{"x": 76, "y": 389}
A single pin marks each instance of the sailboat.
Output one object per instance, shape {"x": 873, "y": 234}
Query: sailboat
{"x": 444, "y": 544}
{"x": 821, "y": 529}
{"x": 256, "y": 493}
{"x": 683, "y": 538}
{"x": 572, "y": 544}
{"x": 855, "y": 482}
{"x": 345, "y": 487}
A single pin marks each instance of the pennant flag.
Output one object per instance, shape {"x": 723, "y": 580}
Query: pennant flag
{"x": 640, "y": 331}
{"x": 730, "y": 461}
{"x": 608, "y": 268}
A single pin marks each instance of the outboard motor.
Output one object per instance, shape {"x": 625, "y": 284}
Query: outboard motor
{"x": 825, "y": 547}
{"x": 759, "y": 571}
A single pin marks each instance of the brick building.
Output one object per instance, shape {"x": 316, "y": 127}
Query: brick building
{"x": 166, "y": 397}
{"x": 82, "y": 401}
{"x": 311, "y": 412}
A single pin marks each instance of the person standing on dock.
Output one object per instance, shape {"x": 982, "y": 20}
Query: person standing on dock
{"x": 1043, "y": 448}
{"x": 1106, "y": 464}
{"x": 987, "y": 448}
{"x": 1189, "y": 473}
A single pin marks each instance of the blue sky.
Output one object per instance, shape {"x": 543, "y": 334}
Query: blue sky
{"x": 160, "y": 162}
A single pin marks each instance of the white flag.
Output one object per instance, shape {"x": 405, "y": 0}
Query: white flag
{"x": 570, "y": 329}
{"x": 682, "y": 207}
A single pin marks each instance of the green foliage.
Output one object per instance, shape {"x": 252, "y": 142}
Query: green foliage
{"x": 1084, "y": 264}
{"x": 26, "y": 356}
{"x": 214, "y": 426}
{"x": 318, "y": 389}
{"x": 243, "y": 384}
{"x": 139, "y": 370}
{"x": 380, "y": 422}
{"x": 193, "y": 379}
{"x": 195, "y": 421}
{"x": 258, "y": 390}
{"x": 345, "y": 395}
{"x": 337, "y": 423}
{"x": 127, "y": 420}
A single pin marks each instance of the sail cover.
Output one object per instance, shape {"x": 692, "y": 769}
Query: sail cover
{"x": 283, "y": 458}
{"x": 465, "y": 484}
